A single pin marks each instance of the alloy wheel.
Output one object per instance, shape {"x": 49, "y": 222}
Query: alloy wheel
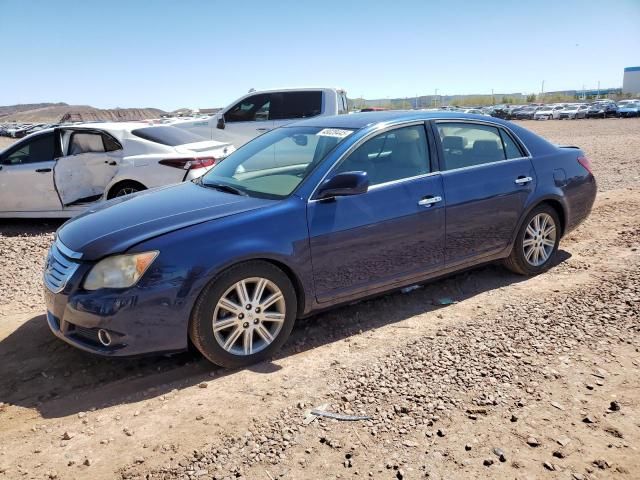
{"x": 539, "y": 239}
{"x": 125, "y": 191}
{"x": 249, "y": 316}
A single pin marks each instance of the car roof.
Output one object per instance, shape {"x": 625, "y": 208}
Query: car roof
{"x": 364, "y": 119}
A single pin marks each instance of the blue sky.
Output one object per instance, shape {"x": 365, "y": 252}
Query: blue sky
{"x": 205, "y": 53}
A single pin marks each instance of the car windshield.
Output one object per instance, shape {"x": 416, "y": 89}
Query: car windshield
{"x": 274, "y": 164}
{"x": 167, "y": 135}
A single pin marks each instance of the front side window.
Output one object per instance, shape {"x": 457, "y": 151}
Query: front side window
{"x": 86, "y": 143}
{"x": 292, "y": 105}
{"x": 274, "y": 164}
{"x": 251, "y": 109}
{"x": 393, "y": 155}
{"x": 39, "y": 149}
{"x": 466, "y": 145}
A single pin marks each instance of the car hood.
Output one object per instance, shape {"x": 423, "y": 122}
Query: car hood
{"x": 119, "y": 224}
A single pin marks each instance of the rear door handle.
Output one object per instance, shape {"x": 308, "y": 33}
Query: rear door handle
{"x": 43, "y": 170}
{"x": 262, "y": 129}
{"x": 428, "y": 201}
{"x": 110, "y": 162}
{"x": 523, "y": 180}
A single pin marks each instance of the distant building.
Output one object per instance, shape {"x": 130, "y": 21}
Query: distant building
{"x": 631, "y": 80}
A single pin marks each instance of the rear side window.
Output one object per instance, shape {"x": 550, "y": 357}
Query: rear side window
{"x": 110, "y": 143}
{"x": 167, "y": 135}
{"x": 291, "y": 105}
{"x": 466, "y": 145}
{"x": 511, "y": 148}
{"x": 86, "y": 143}
{"x": 342, "y": 103}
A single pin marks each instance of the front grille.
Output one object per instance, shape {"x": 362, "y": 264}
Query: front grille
{"x": 58, "y": 269}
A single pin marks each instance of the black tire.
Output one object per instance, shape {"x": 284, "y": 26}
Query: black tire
{"x": 516, "y": 261}
{"x": 201, "y": 324}
{"x": 125, "y": 188}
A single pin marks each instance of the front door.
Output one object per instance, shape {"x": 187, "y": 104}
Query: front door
{"x": 393, "y": 232}
{"x": 487, "y": 180}
{"x": 26, "y": 176}
{"x": 246, "y": 120}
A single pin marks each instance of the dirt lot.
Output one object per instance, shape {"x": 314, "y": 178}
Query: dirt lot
{"x": 520, "y": 378}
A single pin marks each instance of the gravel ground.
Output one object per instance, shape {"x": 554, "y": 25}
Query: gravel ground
{"x": 526, "y": 378}
{"x": 479, "y": 368}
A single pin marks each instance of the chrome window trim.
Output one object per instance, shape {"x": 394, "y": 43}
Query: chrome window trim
{"x": 407, "y": 123}
{"x": 412, "y": 122}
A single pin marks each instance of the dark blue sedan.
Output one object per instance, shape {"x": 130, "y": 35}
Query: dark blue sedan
{"x": 319, "y": 213}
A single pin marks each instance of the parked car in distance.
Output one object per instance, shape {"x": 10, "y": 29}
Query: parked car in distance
{"x": 59, "y": 172}
{"x": 548, "y": 112}
{"x": 475, "y": 111}
{"x": 602, "y": 110}
{"x": 574, "y": 111}
{"x": 319, "y": 213}
{"x": 628, "y": 109}
{"x": 526, "y": 113}
{"x": 261, "y": 111}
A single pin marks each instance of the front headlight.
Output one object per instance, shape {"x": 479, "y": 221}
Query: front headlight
{"x": 119, "y": 271}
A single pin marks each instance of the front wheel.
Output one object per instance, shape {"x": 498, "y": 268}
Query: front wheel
{"x": 244, "y": 315}
{"x": 536, "y": 242}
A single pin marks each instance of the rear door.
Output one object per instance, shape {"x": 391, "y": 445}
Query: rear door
{"x": 487, "y": 178}
{"x": 26, "y": 176}
{"x": 90, "y": 162}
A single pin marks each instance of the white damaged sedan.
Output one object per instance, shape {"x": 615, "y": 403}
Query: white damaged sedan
{"x": 62, "y": 171}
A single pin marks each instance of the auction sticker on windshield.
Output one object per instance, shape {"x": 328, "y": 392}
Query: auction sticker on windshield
{"x": 333, "y": 132}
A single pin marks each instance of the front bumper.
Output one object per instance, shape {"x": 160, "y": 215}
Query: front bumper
{"x": 140, "y": 320}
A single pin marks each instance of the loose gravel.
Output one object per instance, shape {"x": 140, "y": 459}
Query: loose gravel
{"x": 495, "y": 364}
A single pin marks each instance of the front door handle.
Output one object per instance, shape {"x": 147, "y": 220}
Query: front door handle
{"x": 110, "y": 162}
{"x": 428, "y": 201}
{"x": 523, "y": 180}
{"x": 43, "y": 170}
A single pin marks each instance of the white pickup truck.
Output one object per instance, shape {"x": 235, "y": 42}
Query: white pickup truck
{"x": 260, "y": 111}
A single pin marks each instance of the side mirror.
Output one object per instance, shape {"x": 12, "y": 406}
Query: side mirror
{"x": 344, "y": 184}
{"x": 220, "y": 124}
{"x": 301, "y": 140}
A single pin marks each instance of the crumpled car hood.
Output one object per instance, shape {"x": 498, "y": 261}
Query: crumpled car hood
{"x": 119, "y": 224}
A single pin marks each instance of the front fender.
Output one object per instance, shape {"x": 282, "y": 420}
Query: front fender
{"x": 193, "y": 256}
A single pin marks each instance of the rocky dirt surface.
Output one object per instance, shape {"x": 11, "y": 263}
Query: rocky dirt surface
{"x": 519, "y": 378}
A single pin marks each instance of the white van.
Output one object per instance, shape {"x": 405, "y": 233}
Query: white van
{"x": 260, "y": 111}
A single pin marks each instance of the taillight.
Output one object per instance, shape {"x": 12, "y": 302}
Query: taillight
{"x": 584, "y": 161}
{"x": 189, "y": 163}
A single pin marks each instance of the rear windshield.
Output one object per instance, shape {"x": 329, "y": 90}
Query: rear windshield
{"x": 167, "y": 135}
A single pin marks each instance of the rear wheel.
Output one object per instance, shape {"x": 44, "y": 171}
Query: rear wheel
{"x": 536, "y": 242}
{"x": 244, "y": 315}
{"x": 125, "y": 188}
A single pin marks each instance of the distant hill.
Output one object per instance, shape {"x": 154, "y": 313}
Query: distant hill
{"x": 62, "y": 112}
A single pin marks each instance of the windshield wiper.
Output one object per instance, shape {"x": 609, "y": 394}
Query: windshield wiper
{"x": 224, "y": 188}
